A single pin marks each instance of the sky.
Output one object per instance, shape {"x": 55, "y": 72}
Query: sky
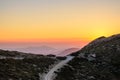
{"x": 58, "y": 21}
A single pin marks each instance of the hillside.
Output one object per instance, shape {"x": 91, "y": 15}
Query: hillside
{"x": 99, "y": 60}
{"x": 21, "y": 66}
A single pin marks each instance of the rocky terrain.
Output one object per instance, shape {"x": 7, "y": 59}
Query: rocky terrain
{"x": 99, "y": 60}
{"x": 21, "y": 66}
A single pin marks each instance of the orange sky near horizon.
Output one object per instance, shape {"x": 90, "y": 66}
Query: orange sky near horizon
{"x": 58, "y": 20}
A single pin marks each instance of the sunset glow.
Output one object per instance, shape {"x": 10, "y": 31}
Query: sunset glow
{"x": 72, "y": 21}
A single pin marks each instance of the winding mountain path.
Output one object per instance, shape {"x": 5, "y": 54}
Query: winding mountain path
{"x": 50, "y": 74}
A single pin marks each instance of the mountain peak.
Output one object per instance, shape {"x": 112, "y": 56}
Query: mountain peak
{"x": 104, "y": 39}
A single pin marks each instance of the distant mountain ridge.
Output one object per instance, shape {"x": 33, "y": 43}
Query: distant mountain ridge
{"x": 46, "y": 50}
{"x": 38, "y": 50}
{"x": 68, "y": 51}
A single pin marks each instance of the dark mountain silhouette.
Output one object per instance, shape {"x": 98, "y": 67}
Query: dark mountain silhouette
{"x": 99, "y": 60}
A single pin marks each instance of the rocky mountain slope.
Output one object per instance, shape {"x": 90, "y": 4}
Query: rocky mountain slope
{"x": 21, "y": 66}
{"x": 99, "y": 60}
